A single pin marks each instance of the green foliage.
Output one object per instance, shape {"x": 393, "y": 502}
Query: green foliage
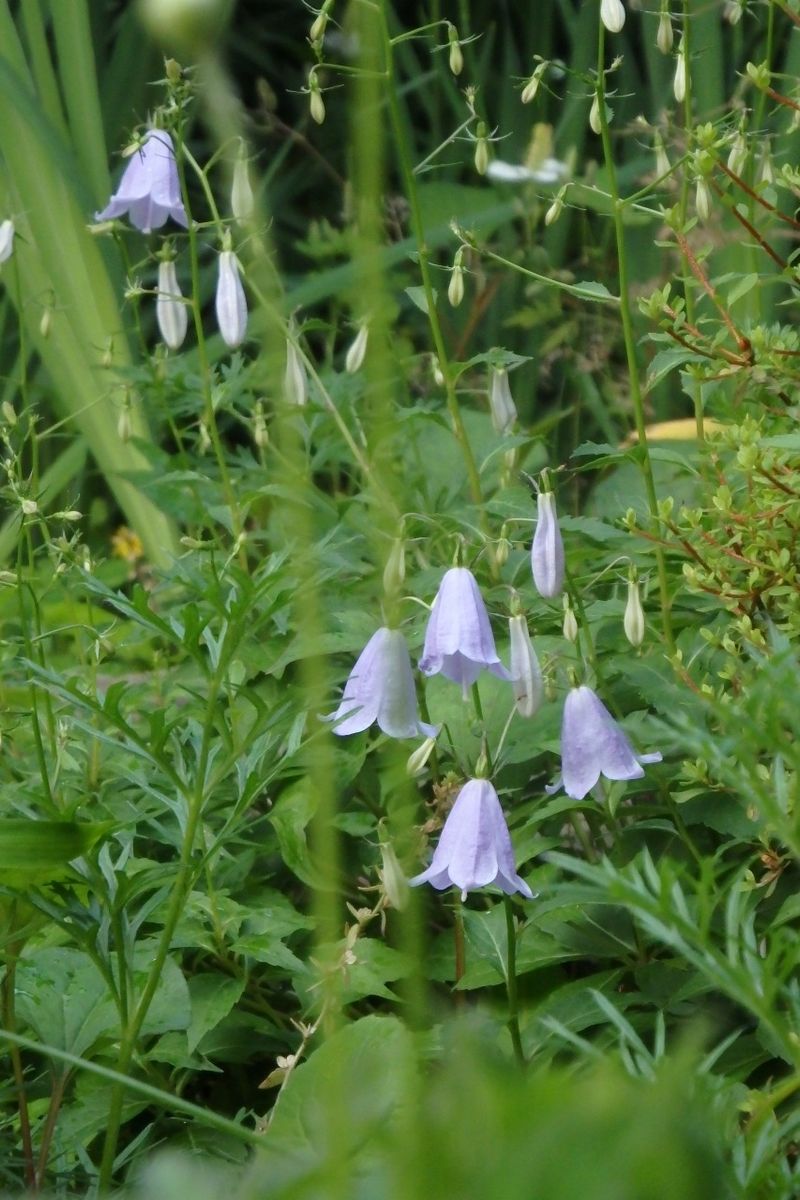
{"x": 215, "y": 975}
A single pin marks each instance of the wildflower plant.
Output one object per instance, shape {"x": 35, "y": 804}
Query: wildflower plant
{"x": 276, "y": 762}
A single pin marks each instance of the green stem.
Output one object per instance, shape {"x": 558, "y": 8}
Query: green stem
{"x": 511, "y": 982}
{"x": 407, "y": 171}
{"x": 683, "y": 208}
{"x": 8, "y": 987}
{"x": 630, "y": 342}
{"x": 181, "y": 888}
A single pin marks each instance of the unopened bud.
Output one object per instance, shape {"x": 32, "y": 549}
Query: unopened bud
{"x": 317, "y": 31}
{"x": 394, "y": 573}
{"x": 107, "y": 356}
{"x": 260, "y": 432}
{"x": 124, "y": 424}
{"x": 612, "y": 14}
{"x": 6, "y": 239}
{"x": 417, "y": 761}
{"x": 315, "y": 102}
{"x": 501, "y": 403}
{"x": 29, "y": 507}
{"x": 532, "y": 86}
{"x": 357, "y": 350}
{"x": 456, "y": 57}
{"x": 547, "y": 551}
{"x": 481, "y": 150}
{"x": 204, "y": 441}
{"x": 46, "y": 321}
{"x": 556, "y": 208}
{"x": 737, "y": 158}
{"x": 171, "y": 313}
{"x": 679, "y": 79}
{"x": 594, "y": 117}
{"x": 664, "y": 35}
{"x": 395, "y": 884}
{"x": 702, "y": 199}
{"x": 294, "y": 377}
{"x": 570, "y": 626}
{"x": 436, "y": 371}
{"x": 455, "y": 288}
{"x": 633, "y": 621}
{"x": 9, "y": 414}
{"x": 243, "y": 201}
{"x": 526, "y": 674}
{"x": 230, "y": 300}
{"x": 502, "y": 547}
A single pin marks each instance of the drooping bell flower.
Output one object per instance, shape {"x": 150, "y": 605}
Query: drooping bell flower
{"x": 149, "y": 191}
{"x": 381, "y": 688}
{"x": 547, "y": 551}
{"x": 458, "y": 640}
{"x": 502, "y": 408}
{"x": 231, "y": 302}
{"x": 475, "y": 848}
{"x": 593, "y": 744}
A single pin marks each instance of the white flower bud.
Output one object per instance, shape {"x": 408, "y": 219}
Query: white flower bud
{"x": 737, "y": 158}
{"x": 664, "y": 35}
{"x": 294, "y": 377}
{"x": 10, "y": 415}
{"x": 556, "y": 208}
{"x": 570, "y": 626}
{"x": 594, "y": 117}
{"x": 766, "y": 175}
{"x": 418, "y": 760}
{"x": 436, "y": 371}
{"x": 243, "y": 202}
{"x": 455, "y": 288}
{"x": 357, "y": 350}
{"x": 29, "y": 507}
{"x": 317, "y": 31}
{"x": 663, "y": 165}
{"x": 171, "y": 312}
{"x": 456, "y": 58}
{"x": 481, "y": 150}
{"x": 204, "y": 440}
{"x": 501, "y": 402}
{"x": 315, "y": 102}
{"x": 532, "y": 86}
{"x": 124, "y": 424}
{"x": 612, "y": 14}
{"x": 46, "y": 321}
{"x": 679, "y": 81}
{"x": 702, "y": 199}
{"x": 231, "y": 303}
{"x": 395, "y": 884}
{"x": 633, "y": 621}
{"x": 547, "y": 551}
{"x": 6, "y": 239}
{"x": 732, "y": 11}
{"x": 526, "y": 674}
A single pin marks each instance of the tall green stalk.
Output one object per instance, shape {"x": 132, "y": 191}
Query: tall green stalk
{"x": 629, "y": 339}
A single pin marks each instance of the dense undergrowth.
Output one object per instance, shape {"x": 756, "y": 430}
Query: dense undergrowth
{"x": 389, "y": 297}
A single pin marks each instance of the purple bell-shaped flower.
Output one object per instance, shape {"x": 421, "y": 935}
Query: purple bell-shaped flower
{"x": 149, "y": 191}
{"x": 593, "y": 744}
{"x": 475, "y": 848}
{"x": 458, "y": 641}
{"x": 381, "y": 688}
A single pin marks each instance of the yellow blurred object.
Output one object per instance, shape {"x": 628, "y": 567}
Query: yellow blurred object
{"x": 126, "y": 544}
{"x": 683, "y": 430}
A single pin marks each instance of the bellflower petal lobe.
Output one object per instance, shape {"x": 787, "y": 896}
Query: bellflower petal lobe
{"x": 458, "y": 640}
{"x": 593, "y": 744}
{"x": 475, "y": 848}
{"x": 381, "y": 688}
{"x": 149, "y": 191}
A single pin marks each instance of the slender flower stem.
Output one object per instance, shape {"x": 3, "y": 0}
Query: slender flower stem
{"x": 630, "y": 341}
{"x": 407, "y": 171}
{"x": 511, "y": 981}
{"x": 180, "y": 890}
{"x": 683, "y": 209}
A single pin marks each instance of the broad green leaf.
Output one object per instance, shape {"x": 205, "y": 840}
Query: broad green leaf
{"x": 39, "y": 851}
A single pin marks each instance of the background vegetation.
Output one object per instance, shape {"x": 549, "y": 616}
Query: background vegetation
{"x": 215, "y": 976}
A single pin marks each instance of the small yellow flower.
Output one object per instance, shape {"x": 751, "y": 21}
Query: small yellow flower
{"x": 127, "y": 545}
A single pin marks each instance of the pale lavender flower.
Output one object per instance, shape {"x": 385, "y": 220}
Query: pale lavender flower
{"x": 459, "y": 641}
{"x": 593, "y": 744}
{"x": 475, "y": 848}
{"x": 547, "y": 551}
{"x": 612, "y": 14}
{"x": 149, "y": 191}
{"x": 381, "y": 688}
